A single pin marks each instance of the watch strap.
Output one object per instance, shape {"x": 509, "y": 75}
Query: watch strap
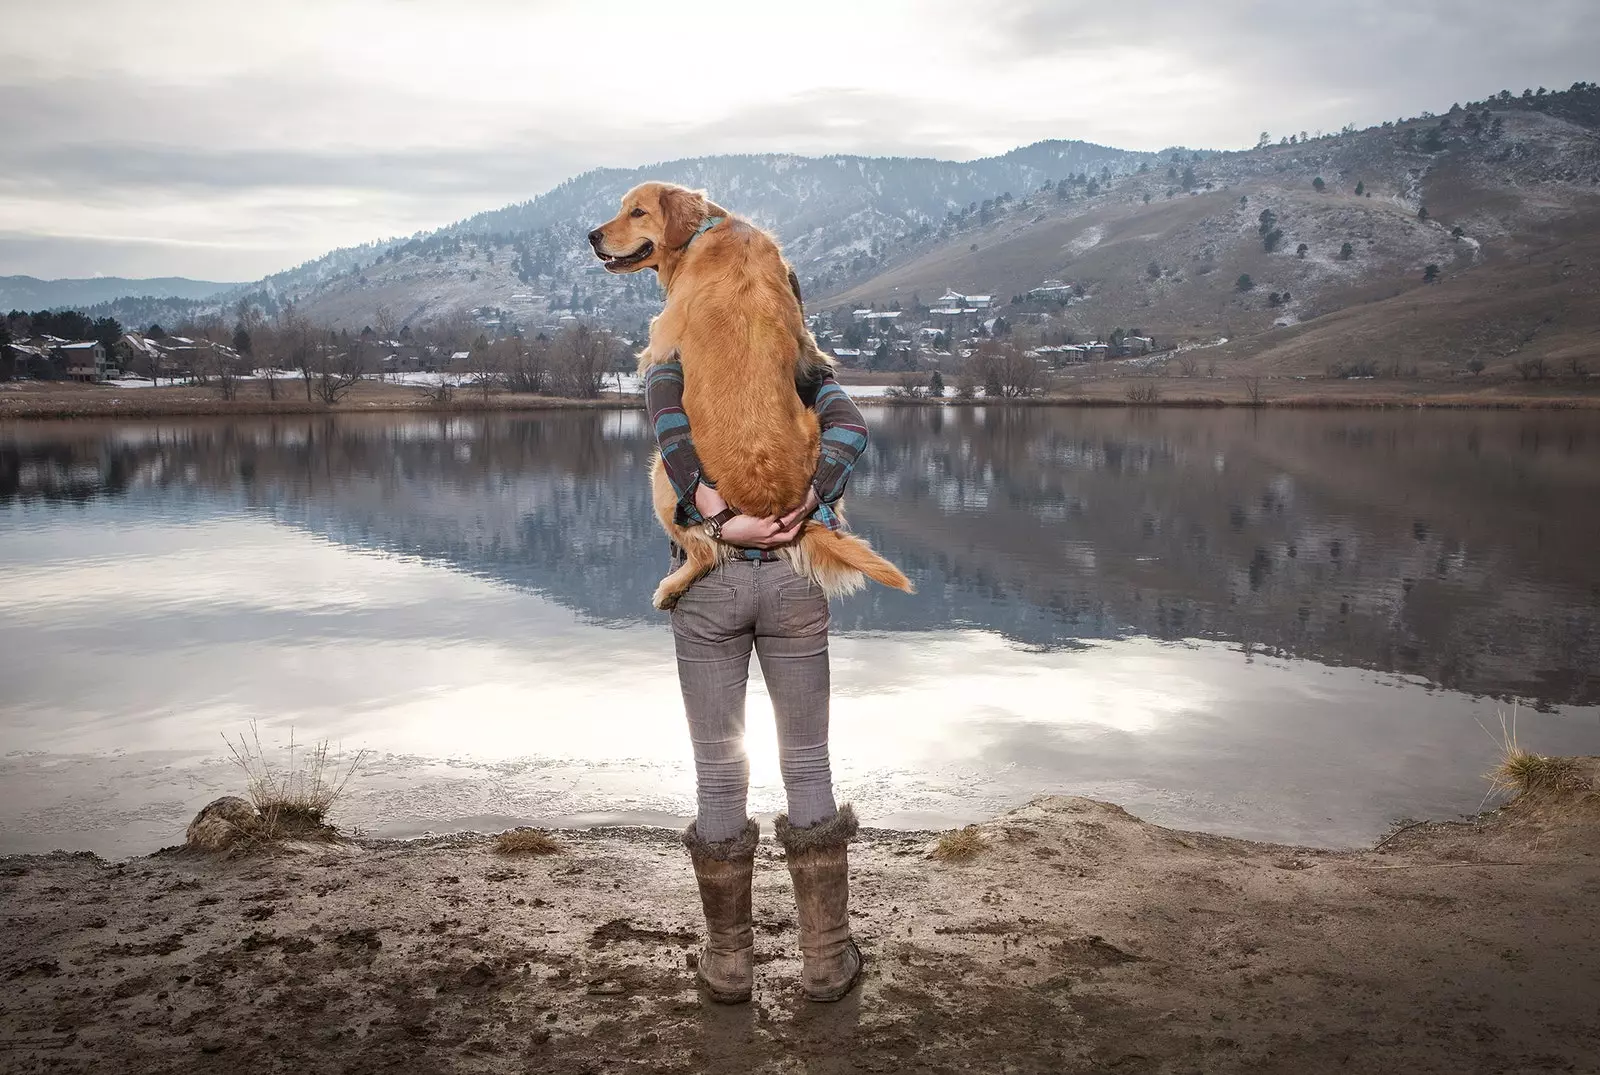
{"x": 715, "y": 524}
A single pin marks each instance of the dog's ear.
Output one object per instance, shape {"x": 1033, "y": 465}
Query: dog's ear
{"x": 681, "y": 212}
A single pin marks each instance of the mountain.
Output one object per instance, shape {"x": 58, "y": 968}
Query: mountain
{"x": 1312, "y": 257}
{"x": 30, "y": 293}
{"x": 835, "y": 214}
{"x": 1335, "y": 234}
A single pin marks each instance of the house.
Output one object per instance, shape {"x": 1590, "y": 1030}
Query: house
{"x": 847, "y": 355}
{"x": 1072, "y": 353}
{"x": 28, "y": 360}
{"x": 1137, "y": 345}
{"x": 84, "y": 360}
{"x": 1098, "y": 352}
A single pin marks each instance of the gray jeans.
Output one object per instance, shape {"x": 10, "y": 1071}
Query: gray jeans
{"x": 740, "y": 605}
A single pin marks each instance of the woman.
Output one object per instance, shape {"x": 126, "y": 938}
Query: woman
{"x": 756, "y": 601}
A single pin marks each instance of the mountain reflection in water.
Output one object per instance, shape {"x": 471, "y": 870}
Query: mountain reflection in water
{"x": 1232, "y": 621}
{"x": 1459, "y": 547}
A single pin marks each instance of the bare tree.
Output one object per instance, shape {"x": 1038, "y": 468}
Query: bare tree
{"x": 579, "y": 357}
{"x": 225, "y": 368}
{"x": 1189, "y": 363}
{"x": 527, "y": 368}
{"x": 486, "y": 362}
{"x": 1532, "y": 369}
{"x": 296, "y": 342}
{"x": 1004, "y": 371}
{"x": 340, "y": 365}
{"x": 1253, "y": 391}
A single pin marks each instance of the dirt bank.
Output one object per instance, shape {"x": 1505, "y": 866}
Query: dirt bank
{"x": 1082, "y": 939}
{"x": 59, "y": 399}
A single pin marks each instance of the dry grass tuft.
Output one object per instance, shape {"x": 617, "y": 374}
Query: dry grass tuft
{"x": 294, "y": 801}
{"x": 959, "y": 845}
{"x": 1522, "y": 772}
{"x": 527, "y": 841}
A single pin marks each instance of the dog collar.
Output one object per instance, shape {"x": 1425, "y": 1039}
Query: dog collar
{"x": 705, "y": 225}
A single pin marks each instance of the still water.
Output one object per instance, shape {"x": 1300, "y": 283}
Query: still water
{"x": 1289, "y": 626}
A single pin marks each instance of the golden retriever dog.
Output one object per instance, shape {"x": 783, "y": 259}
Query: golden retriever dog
{"x": 732, "y": 317}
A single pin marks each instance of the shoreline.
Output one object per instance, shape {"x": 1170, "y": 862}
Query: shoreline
{"x": 23, "y": 409}
{"x": 1080, "y": 938}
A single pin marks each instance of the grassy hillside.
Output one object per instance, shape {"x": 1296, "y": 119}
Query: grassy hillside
{"x": 1503, "y": 201}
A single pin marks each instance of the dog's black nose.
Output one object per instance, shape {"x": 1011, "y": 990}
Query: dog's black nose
{"x": 595, "y": 237}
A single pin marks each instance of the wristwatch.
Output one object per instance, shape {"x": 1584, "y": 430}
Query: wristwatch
{"x": 715, "y": 524}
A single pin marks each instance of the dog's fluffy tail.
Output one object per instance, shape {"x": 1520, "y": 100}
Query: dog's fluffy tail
{"x": 841, "y": 563}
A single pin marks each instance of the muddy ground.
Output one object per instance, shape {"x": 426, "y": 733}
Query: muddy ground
{"x": 1081, "y": 939}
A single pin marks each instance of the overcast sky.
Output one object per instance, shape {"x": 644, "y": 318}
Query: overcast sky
{"x": 224, "y": 140}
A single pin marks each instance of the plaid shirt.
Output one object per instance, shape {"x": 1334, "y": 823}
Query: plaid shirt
{"x": 844, "y": 438}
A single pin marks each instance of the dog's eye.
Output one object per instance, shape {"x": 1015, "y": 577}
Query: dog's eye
{"x": 637, "y": 212}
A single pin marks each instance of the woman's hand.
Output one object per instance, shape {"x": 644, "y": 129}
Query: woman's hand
{"x": 753, "y": 532}
{"x": 707, "y": 501}
{"x": 795, "y": 518}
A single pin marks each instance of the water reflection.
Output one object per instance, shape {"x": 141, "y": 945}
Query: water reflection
{"x": 1455, "y": 547}
{"x": 1221, "y": 620}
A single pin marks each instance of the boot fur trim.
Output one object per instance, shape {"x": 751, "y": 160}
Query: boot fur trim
{"x": 833, "y": 833}
{"x": 740, "y": 847}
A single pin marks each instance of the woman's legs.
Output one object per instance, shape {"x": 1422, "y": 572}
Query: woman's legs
{"x": 713, "y": 631}
{"x": 792, "y": 644}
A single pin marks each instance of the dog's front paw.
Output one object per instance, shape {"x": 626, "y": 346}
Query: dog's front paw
{"x": 664, "y": 599}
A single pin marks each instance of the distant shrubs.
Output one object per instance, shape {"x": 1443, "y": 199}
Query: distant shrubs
{"x": 1144, "y": 394}
{"x": 1319, "y": 185}
{"x": 1431, "y": 273}
{"x": 1346, "y": 252}
{"x": 1244, "y": 283}
{"x": 1345, "y": 371}
{"x": 1361, "y": 188}
{"x": 1301, "y": 251}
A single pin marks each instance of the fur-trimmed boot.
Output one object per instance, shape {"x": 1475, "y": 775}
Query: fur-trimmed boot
{"x": 819, "y": 865}
{"x": 727, "y": 964}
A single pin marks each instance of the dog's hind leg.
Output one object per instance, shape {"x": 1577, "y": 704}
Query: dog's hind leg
{"x": 699, "y": 557}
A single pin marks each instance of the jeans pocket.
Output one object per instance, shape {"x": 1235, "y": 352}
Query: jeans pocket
{"x": 802, "y": 608}
{"x": 705, "y": 612}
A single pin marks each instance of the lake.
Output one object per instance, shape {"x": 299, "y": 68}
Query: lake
{"x": 1299, "y": 626}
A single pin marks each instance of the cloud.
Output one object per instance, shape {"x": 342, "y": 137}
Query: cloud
{"x": 281, "y": 131}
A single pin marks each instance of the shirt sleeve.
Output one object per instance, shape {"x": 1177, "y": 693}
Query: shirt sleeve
{"x": 844, "y": 436}
{"x": 663, "y": 399}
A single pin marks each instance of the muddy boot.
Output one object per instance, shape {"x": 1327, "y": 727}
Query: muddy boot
{"x": 727, "y": 965}
{"x": 820, "y": 867}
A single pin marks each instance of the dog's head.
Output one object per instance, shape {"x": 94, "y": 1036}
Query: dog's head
{"x": 656, "y": 222}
